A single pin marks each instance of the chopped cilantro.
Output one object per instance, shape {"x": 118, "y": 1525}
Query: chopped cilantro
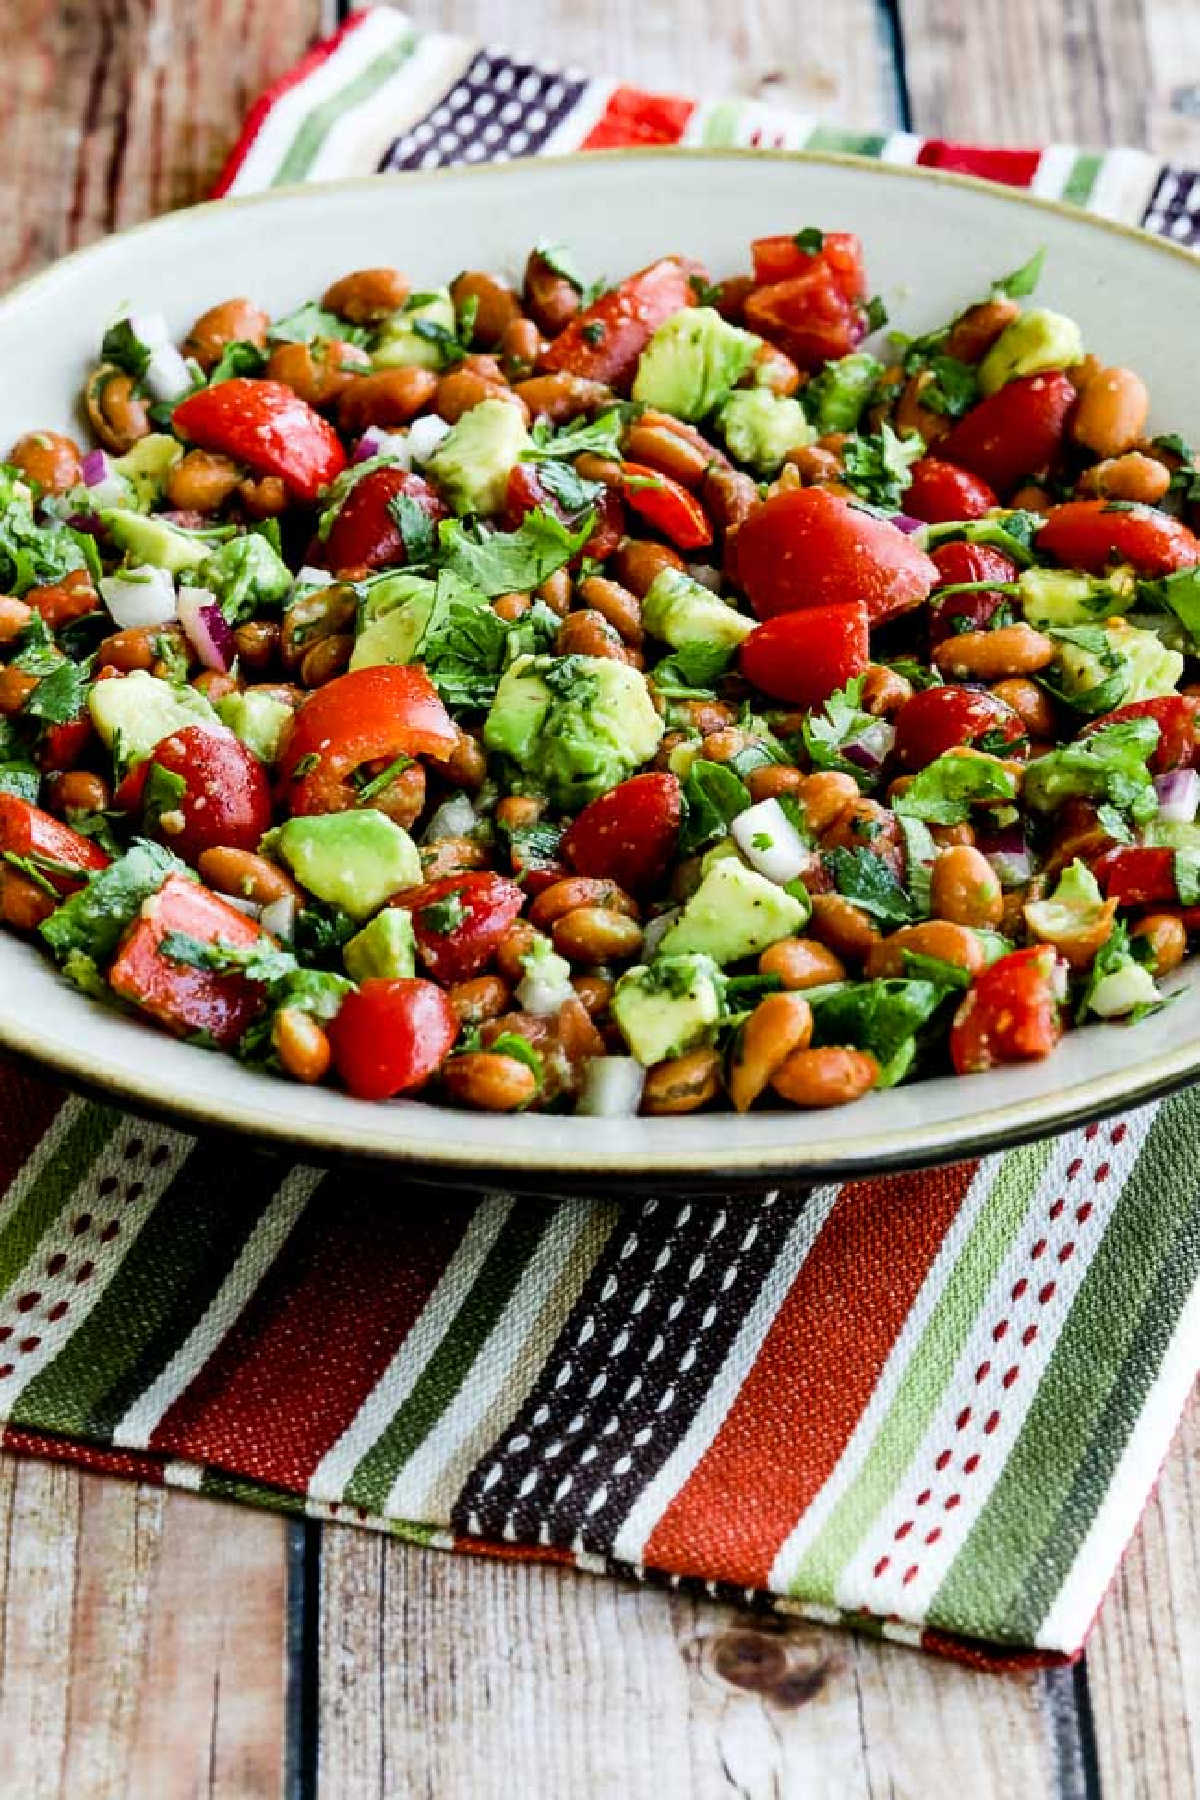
{"x": 713, "y": 797}
{"x": 811, "y": 240}
{"x": 416, "y": 528}
{"x": 861, "y": 876}
{"x": 1024, "y": 280}
{"x": 442, "y": 916}
{"x": 312, "y": 321}
{"x": 370, "y": 789}
{"x": 508, "y": 562}
{"x": 878, "y": 466}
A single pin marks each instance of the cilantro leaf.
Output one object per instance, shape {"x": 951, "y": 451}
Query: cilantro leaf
{"x": 122, "y": 346}
{"x": 1108, "y": 765}
{"x": 313, "y": 321}
{"x": 692, "y": 669}
{"x": 882, "y": 1017}
{"x": 416, "y": 529}
{"x": 463, "y": 645}
{"x": 878, "y": 466}
{"x": 811, "y": 240}
{"x": 865, "y": 878}
{"x": 164, "y": 790}
{"x": 1178, "y": 593}
{"x": 600, "y": 436}
{"x": 573, "y": 493}
{"x": 712, "y": 798}
{"x": 239, "y": 358}
{"x": 945, "y": 790}
{"x": 561, "y": 259}
{"x": 954, "y": 388}
{"x": 93, "y": 919}
{"x": 843, "y": 721}
{"x": 60, "y": 695}
{"x": 507, "y": 562}
{"x": 1024, "y": 280}
{"x": 21, "y": 778}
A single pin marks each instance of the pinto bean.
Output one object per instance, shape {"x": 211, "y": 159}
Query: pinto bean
{"x": 778, "y": 1026}
{"x": 550, "y": 297}
{"x": 636, "y": 562}
{"x": 573, "y": 891}
{"x": 1166, "y": 934}
{"x": 682, "y": 1085}
{"x": 231, "y": 322}
{"x": 588, "y": 633}
{"x": 1110, "y": 414}
{"x": 1131, "y": 476}
{"x": 247, "y": 876}
{"x": 558, "y": 397}
{"x": 620, "y": 608}
{"x": 827, "y": 1077}
{"x": 593, "y": 934}
{"x": 366, "y": 296}
{"x": 319, "y": 372}
{"x": 993, "y": 655}
{"x": 521, "y": 344}
{"x": 202, "y": 481}
{"x": 497, "y": 306}
{"x": 386, "y": 398}
{"x": 801, "y": 963}
{"x": 48, "y": 458}
{"x": 975, "y": 331}
{"x": 490, "y": 1081}
{"x": 842, "y": 927}
{"x": 302, "y": 1047}
{"x": 965, "y": 889}
{"x": 116, "y": 412}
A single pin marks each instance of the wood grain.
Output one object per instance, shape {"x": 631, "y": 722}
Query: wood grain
{"x": 143, "y": 1639}
{"x": 446, "y": 1677}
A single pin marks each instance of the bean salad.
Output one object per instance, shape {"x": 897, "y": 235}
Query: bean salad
{"x": 684, "y": 692}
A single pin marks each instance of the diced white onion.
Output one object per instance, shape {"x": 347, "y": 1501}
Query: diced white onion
{"x": 657, "y": 929}
{"x": 545, "y": 988}
{"x": 1128, "y": 986}
{"x": 142, "y": 596}
{"x": 424, "y": 436}
{"x": 454, "y": 818}
{"x": 770, "y": 842}
{"x": 251, "y": 908}
{"x": 149, "y": 328}
{"x": 612, "y": 1087}
{"x": 279, "y": 918}
{"x": 167, "y": 375}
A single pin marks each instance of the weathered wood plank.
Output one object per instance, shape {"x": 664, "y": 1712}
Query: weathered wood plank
{"x": 111, "y": 110}
{"x": 476, "y": 1680}
{"x": 1144, "y": 1657}
{"x": 834, "y": 60}
{"x": 142, "y": 1639}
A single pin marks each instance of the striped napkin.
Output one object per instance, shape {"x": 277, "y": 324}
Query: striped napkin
{"x": 930, "y": 1405}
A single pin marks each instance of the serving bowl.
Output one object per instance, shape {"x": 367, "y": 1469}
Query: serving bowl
{"x": 933, "y": 243}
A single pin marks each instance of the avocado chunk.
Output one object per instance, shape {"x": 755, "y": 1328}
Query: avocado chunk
{"x": 760, "y": 427}
{"x": 394, "y": 636}
{"x": 385, "y": 948}
{"x": 836, "y": 399}
{"x": 147, "y": 466}
{"x": 574, "y": 726}
{"x": 1151, "y": 669}
{"x": 257, "y": 719}
{"x": 1035, "y": 343}
{"x": 474, "y": 460}
{"x": 246, "y": 574}
{"x": 134, "y": 714}
{"x": 668, "y": 1006}
{"x": 387, "y": 592}
{"x": 353, "y": 860}
{"x": 692, "y": 361}
{"x": 412, "y": 337}
{"x": 1056, "y": 597}
{"x": 734, "y": 913}
{"x": 681, "y": 610}
{"x": 155, "y": 540}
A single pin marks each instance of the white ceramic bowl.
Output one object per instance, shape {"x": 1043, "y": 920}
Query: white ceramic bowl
{"x": 933, "y": 242}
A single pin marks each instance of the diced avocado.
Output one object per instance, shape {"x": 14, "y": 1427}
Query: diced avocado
{"x": 836, "y": 398}
{"x": 1037, "y": 341}
{"x": 401, "y": 345}
{"x": 668, "y": 1006}
{"x": 136, "y": 712}
{"x": 1109, "y": 764}
{"x": 154, "y": 540}
{"x": 147, "y": 466}
{"x": 474, "y": 460}
{"x": 257, "y": 719}
{"x": 1087, "y": 672}
{"x": 353, "y": 860}
{"x": 1075, "y": 904}
{"x": 1151, "y": 669}
{"x": 246, "y": 575}
{"x": 682, "y": 755}
{"x": 393, "y": 636}
{"x": 574, "y": 725}
{"x": 1174, "y": 834}
{"x": 760, "y": 427}
{"x": 692, "y": 361}
{"x": 734, "y": 913}
{"x": 1122, "y": 990}
{"x": 681, "y": 610}
{"x": 1051, "y": 597}
{"x": 385, "y": 948}
{"x": 388, "y": 592}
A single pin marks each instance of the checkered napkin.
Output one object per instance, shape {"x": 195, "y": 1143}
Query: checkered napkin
{"x": 929, "y": 1405}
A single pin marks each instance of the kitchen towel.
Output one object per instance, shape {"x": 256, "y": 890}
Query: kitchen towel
{"x": 930, "y": 1405}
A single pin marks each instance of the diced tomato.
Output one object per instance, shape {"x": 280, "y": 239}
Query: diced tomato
{"x": 808, "y": 316}
{"x": 225, "y": 800}
{"x": 959, "y": 562}
{"x": 266, "y": 426}
{"x": 1015, "y": 432}
{"x": 604, "y": 341}
{"x": 459, "y": 920}
{"x": 183, "y": 998}
{"x": 368, "y": 715}
{"x": 801, "y": 657}
{"x": 525, "y": 492}
{"x": 780, "y": 258}
{"x": 1093, "y": 534}
{"x": 62, "y": 746}
{"x": 666, "y": 506}
{"x": 1137, "y": 875}
{"x": 812, "y": 548}
{"x": 939, "y": 491}
{"x": 60, "y": 602}
{"x": 365, "y": 533}
{"x": 391, "y": 1036}
{"x": 25, "y": 830}
{"x": 945, "y": 718}
{"x": 1012, "y": 1012}
{"x": 628, "y": 835}
{"x": 1175, "y": 716}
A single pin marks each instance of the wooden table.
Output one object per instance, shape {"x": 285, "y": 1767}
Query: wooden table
{"x": 155, "y": 1647}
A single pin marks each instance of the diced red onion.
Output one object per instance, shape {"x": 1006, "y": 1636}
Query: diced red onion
{"x": 1178, "y": 795}
{"x": 374, "y": 442}
{"x": 424, "y": 436}
{"x": 94, "y": 467}
{"x": 1008, "y": 852}
{"x": 105, "y": 484}
{"x": 905, "y": 522}
{"x": 88, "y": 523}
{"x": 454, "y": 818}
{"x": 167, "y": 375}
{"x": 706, "y": 575}
{"x": 612, "y": 1087}
{"x": 143, "y": 596}
{"x": 872, "y": 747}
{"x": 207, "y": 629}
{"x": 770, "y": 842}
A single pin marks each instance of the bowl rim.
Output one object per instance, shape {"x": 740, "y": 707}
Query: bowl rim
{"x": 1002, "y": 1126}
